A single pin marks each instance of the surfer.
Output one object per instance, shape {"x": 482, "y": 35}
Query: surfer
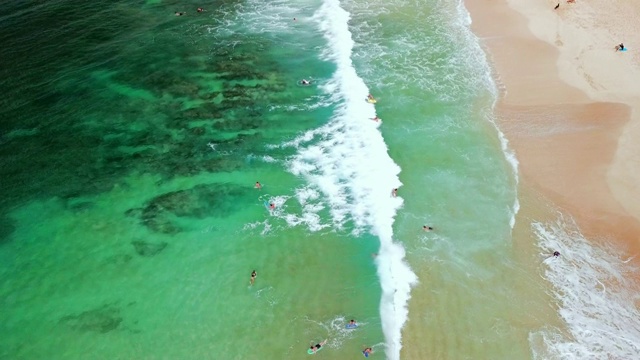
{"x": 258, "y": 186}
{"x": 305, "y": 82}
{"x": 370, "y": 97}
{"x": 394, "y": 192}
{"x": 317, "y": 347}
{"x": 272, "y": 206}
{"x": 368, "y": 351}
{"x": 254, "y": 275}
{"x": 376, "y": 119}
{"x": 200, "y": 10}
{"x": 427, "y": 228}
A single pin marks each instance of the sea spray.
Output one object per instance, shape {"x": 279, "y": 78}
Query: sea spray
{"x": 596, "y": 290}
{"x": 347, "y": 161}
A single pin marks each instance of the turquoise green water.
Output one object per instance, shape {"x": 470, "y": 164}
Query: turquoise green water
{"x": 131, "y": 143}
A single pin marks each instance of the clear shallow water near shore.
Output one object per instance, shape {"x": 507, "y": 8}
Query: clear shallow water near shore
{"x": 131, "y": 140}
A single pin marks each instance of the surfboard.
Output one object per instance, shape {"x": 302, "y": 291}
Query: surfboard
{"x": 372, "y": 101}
{"x": 349, "y": 326}
{"x": 310, "y": 352}
{"x": 625, "y": 49}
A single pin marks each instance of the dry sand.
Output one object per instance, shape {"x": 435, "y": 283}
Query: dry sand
{"x": 570, "y": 104}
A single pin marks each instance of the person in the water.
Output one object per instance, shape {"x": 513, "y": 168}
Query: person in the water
{"x": 180, "y": 13}
{"x": 254, "y": 275}
{"x": 317, "y": 347}
{"x": 370, "y": 97}
{"x": 305, "y": 82}
{"x": 556, "y": 253}
{"x": 272, "y": 206}
{"x": 394, "y": 192}
{"x": 427, "y": 228}
{"x": 368, "y": 351}
{"x": 352, "y": 324}
{"x": 201, "y": 10}
{"x": 258, "y": 186}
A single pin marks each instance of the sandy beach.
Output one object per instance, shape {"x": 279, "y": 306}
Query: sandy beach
{"x": 570, "y": 105}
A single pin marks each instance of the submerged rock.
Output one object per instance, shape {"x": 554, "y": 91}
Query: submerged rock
{"x": 148, "y": 249}
{"x": 198, "y": 202}
{"x": 101, "y": 320}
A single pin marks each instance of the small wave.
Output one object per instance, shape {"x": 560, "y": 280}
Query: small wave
{"x": 597, "y": 292}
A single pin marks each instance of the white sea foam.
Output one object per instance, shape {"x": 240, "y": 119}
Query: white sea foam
{"x": 347, "y": 161}
{"x": 596, "y": 290}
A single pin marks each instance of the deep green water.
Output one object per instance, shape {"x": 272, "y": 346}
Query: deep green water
{"x": 131, "y": 141}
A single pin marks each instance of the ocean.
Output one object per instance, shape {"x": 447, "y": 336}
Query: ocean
{"x": 131, "y": 140}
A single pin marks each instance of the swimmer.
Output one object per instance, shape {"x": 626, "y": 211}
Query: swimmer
{"x": 201, "y": 10}
{"x": 556, "y": 253}
{"x": 368, "y": 351}
{"x": 258, "y": 186}
{"x": 317, "y": 347}
{"x": 294, "y": 19}
{"x": 254, "y": 275}
{"x": 376, "y": 119}
{"x": 180, "y": 13}
{"x": 394, "y": 192}
{"x": 352, "y": 323}
{"x": 272, "y": 206}
{"x": 305, "y": 82}
{"x": 427, "y": 228}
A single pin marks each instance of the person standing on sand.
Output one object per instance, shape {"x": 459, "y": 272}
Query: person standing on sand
{"x": 254, "y": 275}
{"x": 620, "y": 47}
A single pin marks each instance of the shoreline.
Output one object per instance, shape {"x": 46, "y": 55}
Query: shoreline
{"x": 567, "y": 117}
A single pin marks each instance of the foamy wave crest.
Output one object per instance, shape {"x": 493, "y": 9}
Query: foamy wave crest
{"x": 596, "y": 290}
{"x": 347, "y": 161}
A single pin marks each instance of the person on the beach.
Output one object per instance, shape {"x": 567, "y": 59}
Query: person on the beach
{"x": 317, "y": 347}
{"x": 180, "y": 13}
{"x": 254, "y": 275}
{"x": 427, "y": 228}
{"x": 368, "y": 351}
{"x": 305, "y": 82}
{"x": 557, "y": 6}
{"x": 272, "y": 206}
{"x": 620, "y": 47}
{"x": 258, "y": 186}
{"x": 394, "y": 192}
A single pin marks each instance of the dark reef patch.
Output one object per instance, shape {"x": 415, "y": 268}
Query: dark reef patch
{"x": 148, "y": 249}
{"x": 101, "y": 320}
{"x": 199, "y": 202}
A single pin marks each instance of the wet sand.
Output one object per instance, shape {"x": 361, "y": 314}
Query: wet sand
{"x": 569, "y": 105}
